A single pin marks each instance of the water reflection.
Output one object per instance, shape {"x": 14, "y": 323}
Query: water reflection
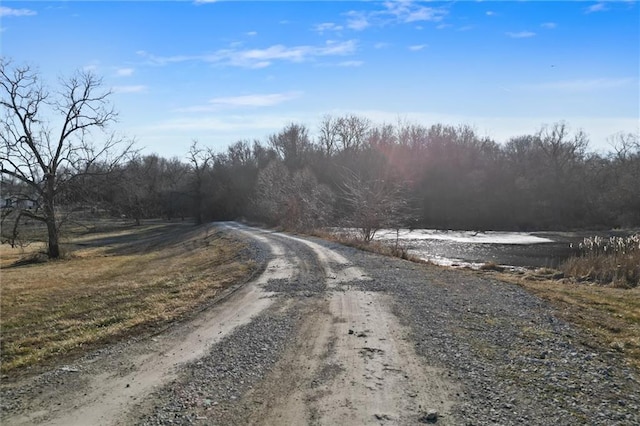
{"x": 466, "y": 248}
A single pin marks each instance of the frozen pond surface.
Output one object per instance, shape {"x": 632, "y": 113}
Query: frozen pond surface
{"x": 470, "y": 248}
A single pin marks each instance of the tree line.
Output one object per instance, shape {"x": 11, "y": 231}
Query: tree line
{"x": 351, "y": 172}
{"x": 405, "y": 175}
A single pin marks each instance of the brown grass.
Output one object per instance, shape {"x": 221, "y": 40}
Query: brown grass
{"x": 491, "y": 266}
{"x": 370, "y": 246}
{"x": 616, "y": 270}
{"x": 111, "y": 285}
{"x": 610, "y": 261}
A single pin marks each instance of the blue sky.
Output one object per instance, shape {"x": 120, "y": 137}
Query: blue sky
{"x": 224, "y": 71}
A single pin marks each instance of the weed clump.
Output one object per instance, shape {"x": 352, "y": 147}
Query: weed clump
{"x": 492, "y": 266}
{"x": 611, "y": 261}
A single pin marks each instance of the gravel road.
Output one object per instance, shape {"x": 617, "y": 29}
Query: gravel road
{"x": 332, "y": 335}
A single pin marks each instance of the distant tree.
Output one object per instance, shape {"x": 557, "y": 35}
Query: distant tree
{"x": 328, "y": 135}
{"x": 234, "y": 178}
{"x": 292, "y": 145}
{"x": 200, "y": 160}
{"x": 49, "y": 163}
{"x": 373, "y": 204}
{"x": 352, "y": 132}
{"x": 623, "y": 190}
{"x": 292, "y": 199}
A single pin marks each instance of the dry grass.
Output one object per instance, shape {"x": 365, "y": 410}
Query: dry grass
{"x": 111, "y": 285}
{"x": 371, "y": 246}
{"x": 618, "y": 271}
{"x": 491, "y": 266}
{"x": 612, "y": 261}
{"x": 610, "y": 315}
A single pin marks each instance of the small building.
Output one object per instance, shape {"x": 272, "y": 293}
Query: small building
{"x": 17, "y": 202}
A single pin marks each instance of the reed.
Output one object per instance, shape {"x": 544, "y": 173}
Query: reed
{"x": 611, "y": 261}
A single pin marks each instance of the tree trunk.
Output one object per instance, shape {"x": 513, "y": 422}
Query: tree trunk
{"x": 54, "y": 246}
{"x": 50, "y": 217}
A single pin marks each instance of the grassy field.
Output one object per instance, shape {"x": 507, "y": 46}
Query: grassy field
{"x": 116, "y": 280}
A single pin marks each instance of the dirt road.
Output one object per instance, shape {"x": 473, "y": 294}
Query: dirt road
{"x": 329, "y": 335}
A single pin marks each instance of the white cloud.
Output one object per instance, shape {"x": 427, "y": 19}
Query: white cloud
{"x": 357, "y": 21}
{"x": 244, "y": 101}
{"x": 351, "y": 64}
{"x": 327, "y": 26}
{"x": 584, "y": 85}
{"x": 381, "y": 45}
{"x": 409, "y": 11}
{"x": 521, "y": 34}
{"x": 490, "y": 13}
{"x": 7, "y": 11}
{"x": 549, "y": 25}
{"x": 598, "y": 7}
{"x": 255, "y": 100}
{"x": 252, "y": 33}
{"x": 124, "y": 72}
{"x": 417, "y": 47}
{"x": 260, "y": 58}
{"x": 394, "y": 12}
{"x": 244, "y": 125}
{"x": 129, "y": 89}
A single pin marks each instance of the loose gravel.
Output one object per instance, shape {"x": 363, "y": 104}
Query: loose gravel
{"x": 514, "y": 361}
{"x": 210, "y": 390}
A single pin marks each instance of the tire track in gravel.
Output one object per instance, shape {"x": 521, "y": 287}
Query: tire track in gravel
{"x": 352, "y": 362}
{"x": 103, "y": 395}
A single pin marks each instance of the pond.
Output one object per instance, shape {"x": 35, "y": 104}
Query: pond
{"x": 473, "y": 249}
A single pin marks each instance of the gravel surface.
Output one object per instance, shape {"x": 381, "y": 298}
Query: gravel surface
{"x": 210, "y": 390}
{"x": 511, "y": 360}
{"x": 516, "y": 362}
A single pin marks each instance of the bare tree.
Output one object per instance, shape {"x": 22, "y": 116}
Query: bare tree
{"x": 200, "y": 160}
{"x": 293, "y": 199}
{"x": 626, "y": 146}
{"x": 352, "y": 132}
{"x": 328, "y": 137}
{"x": 292, "y": 145}
{"x": 47, "y": 161}
{"x": 373, "y": 203}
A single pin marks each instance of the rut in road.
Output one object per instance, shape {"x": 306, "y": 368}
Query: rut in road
{"x": 352, "y": 362}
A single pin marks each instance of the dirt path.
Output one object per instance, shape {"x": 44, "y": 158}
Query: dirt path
{"x": 358, "y": 367}
{"x": 331, "y": 335}
{"x": 355, "y": 361}
{"x": 98, "y": 391}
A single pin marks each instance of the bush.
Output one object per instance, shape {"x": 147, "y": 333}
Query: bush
{"x": 614, "y": 260}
